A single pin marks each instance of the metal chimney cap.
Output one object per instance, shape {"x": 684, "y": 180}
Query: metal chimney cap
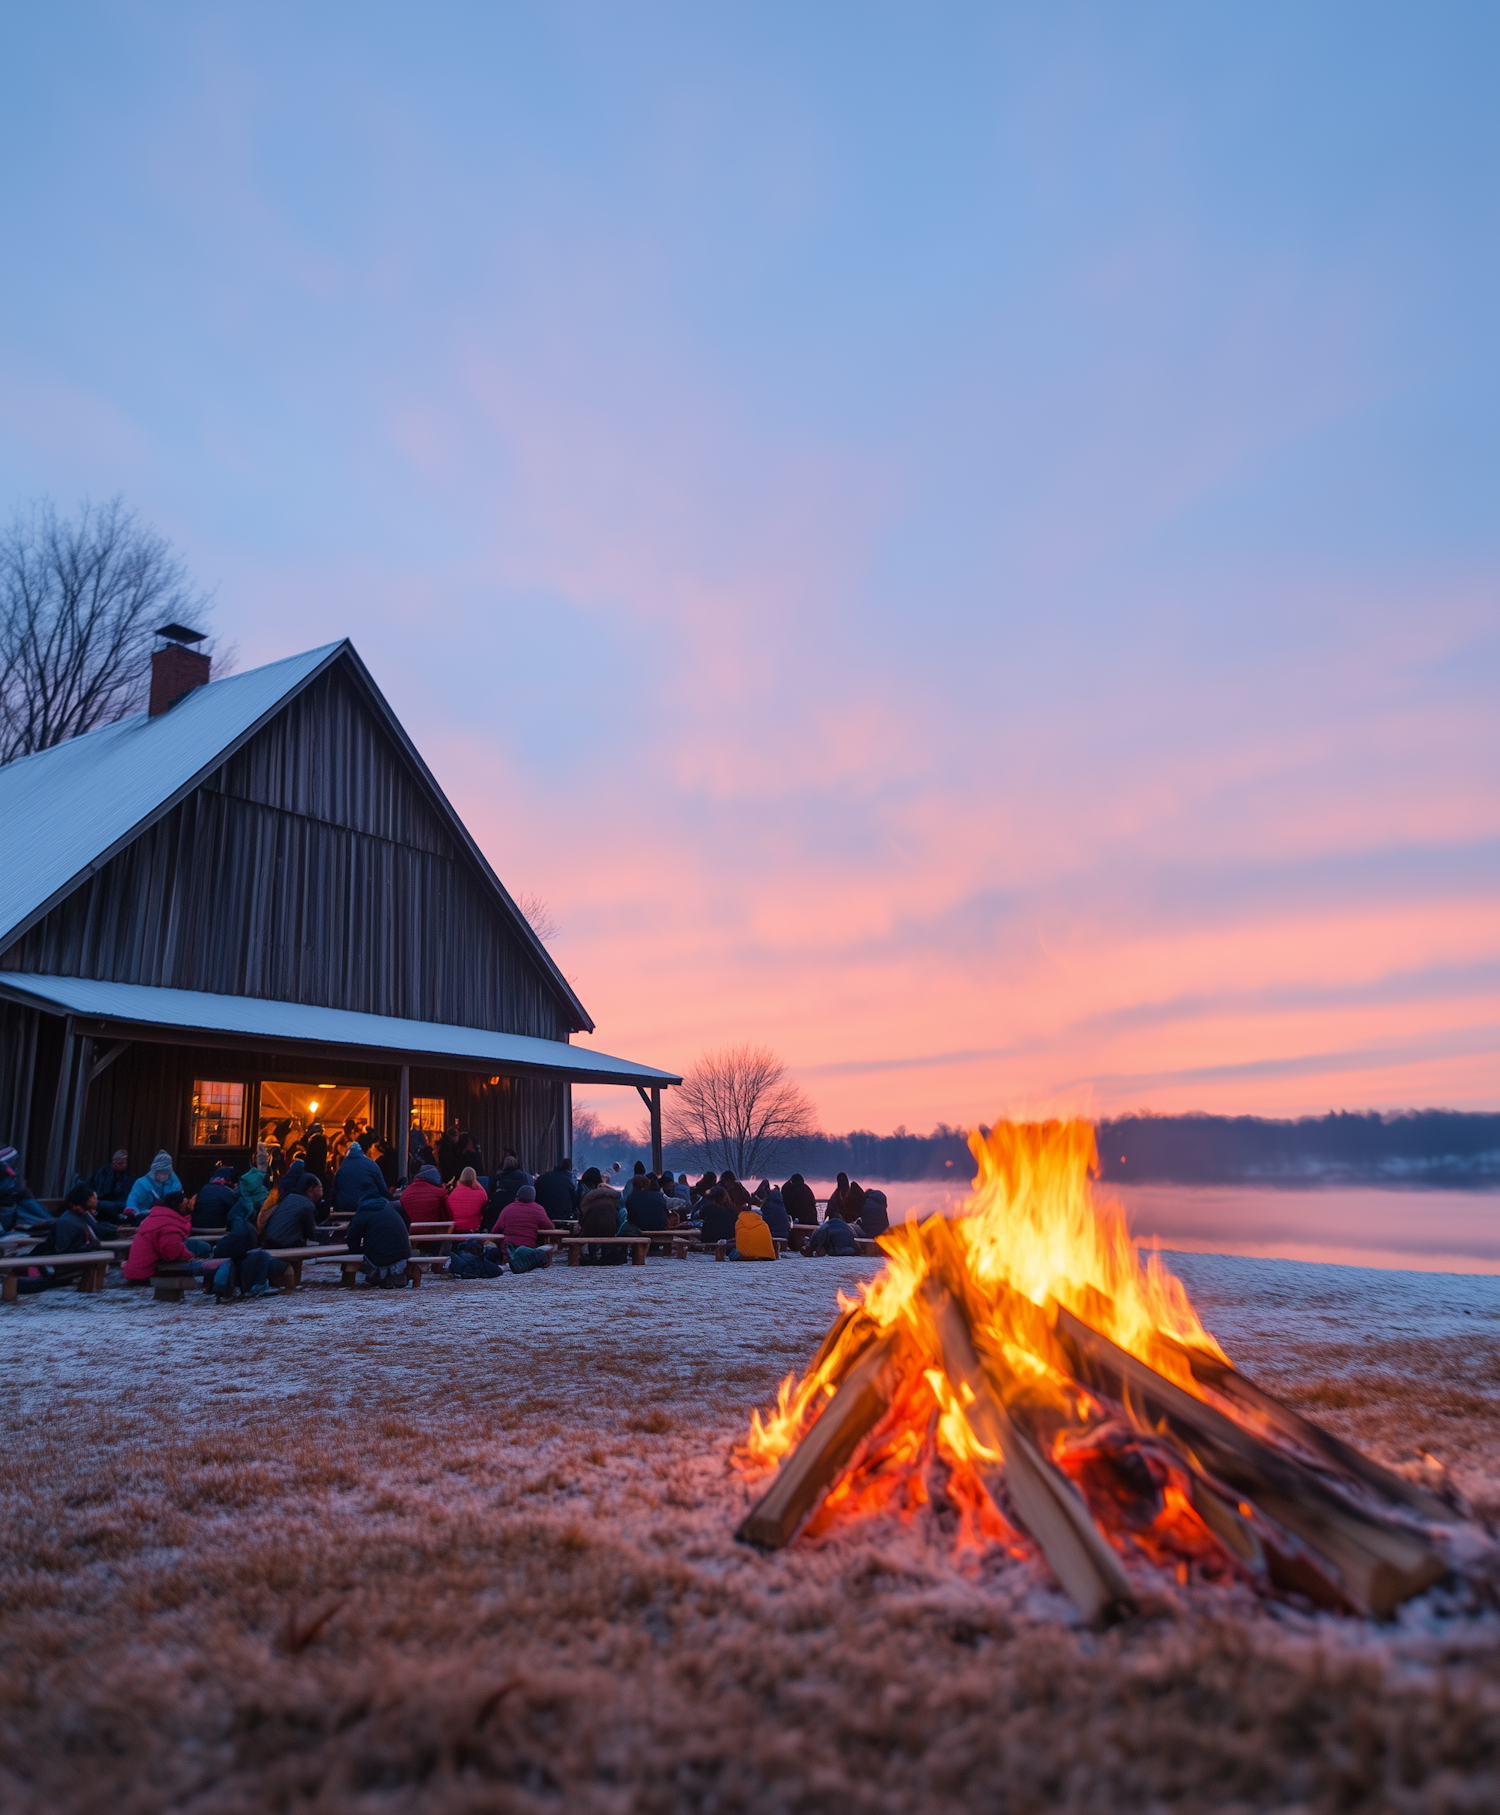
{"x": 179, "y": 633}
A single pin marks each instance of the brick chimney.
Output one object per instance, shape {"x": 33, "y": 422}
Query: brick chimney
{"x": 176, "y": 668}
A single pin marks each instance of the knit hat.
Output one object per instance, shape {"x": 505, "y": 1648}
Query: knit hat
{"x": 526, "y": 1195}
{"x": 429, "y": 1175}
{"x": 162, "y": 1164}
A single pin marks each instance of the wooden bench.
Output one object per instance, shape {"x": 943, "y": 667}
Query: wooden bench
{"x": 89, "y": 1267}
{"x": 637, "y": 1244}
{"x": 350, "y": 1264}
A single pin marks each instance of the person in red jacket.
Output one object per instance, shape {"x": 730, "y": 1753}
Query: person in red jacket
{"x": 519, "y": 1223}
{"x": 466, "y": 1201}
{"x": 164, "y": 1237}
{"x": 424, "y": 1199}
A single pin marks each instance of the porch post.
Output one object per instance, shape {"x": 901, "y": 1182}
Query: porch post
{"x": 403, "y": 1122}
{"x": 656, "y": 1129}
{"x": 57, "y": 1133}
{"x": 83, "y": 1077}
{"x": 567, "y": 1121}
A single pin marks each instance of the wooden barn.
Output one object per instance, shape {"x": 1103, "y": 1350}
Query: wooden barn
{"x": 252, "y": 905}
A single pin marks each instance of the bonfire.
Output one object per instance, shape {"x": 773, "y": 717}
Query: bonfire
{"x": 1021, "y": 1360}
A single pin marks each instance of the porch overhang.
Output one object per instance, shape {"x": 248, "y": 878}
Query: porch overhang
{"x": 135, "y": 1011}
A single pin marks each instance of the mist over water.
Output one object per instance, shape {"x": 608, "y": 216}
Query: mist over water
{"x": 1420, "y": 1231}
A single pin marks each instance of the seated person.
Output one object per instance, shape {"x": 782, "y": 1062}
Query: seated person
{"x": 554, "y": 1190}
{"x": 293, "y": 1223}
{"x": 761, "y": 1192}
{"x": 467, "y": 1201}
{"x": 704, "y": 1186}
{"x": 718, "y": 1217}
{"x": 752, "y": 1239}
{"x": 775, "y": 1213}
{"x": 738, "y": 1195}
{"x": 244, "y": 1266}
{"x": 832, "y": 1236}
{"x": 112, "y": 1185}
{"x": 163, "y": 1239}
{"x": 379, "y": 1233}
{"x": 151, "y": 1188}
{"x": 519, "y": 1223}
{"x": 504, "y": 1186}
{"x": 255, "y": 1184}
{"x": 216, "y": 1202}
{"x": 357, "y": 1175}
{"x": 797, "y": 1195}
{"x": 648, "y": 1207}
{"x": 424, "y": 1199}
{"x": 875, "y": 1218}
{"x": 19, "y": 1210}
{"x": 599, "y": 1212}
{"x": 78, "y": 1230}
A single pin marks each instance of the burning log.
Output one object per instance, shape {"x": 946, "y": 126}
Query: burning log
{"x": 863, "y": 1397}
{"x": 1376, "y": 1565}
{"x": 1050, "y": 1507}
{"x": 1256, "y": 1406}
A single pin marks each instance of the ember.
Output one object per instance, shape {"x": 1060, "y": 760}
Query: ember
{"x": 1022, "y": 1362}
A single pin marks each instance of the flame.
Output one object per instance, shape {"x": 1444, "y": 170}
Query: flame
{"x": 1032, "y": 1236}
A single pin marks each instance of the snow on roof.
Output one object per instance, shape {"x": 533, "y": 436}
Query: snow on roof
{"x": 63, "y": 811}
{"x": 255, "y": 1016}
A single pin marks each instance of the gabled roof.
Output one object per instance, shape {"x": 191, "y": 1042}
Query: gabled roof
{"x": 66, "y": 811}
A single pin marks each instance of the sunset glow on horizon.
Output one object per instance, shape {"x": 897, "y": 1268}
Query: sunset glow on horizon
{"x": 964, "y": 549}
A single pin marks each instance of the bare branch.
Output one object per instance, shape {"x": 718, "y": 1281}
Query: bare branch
{"x": 79, "y": 600}
{"x": 543, "y": 921}
{"x": 738, "y": 1109}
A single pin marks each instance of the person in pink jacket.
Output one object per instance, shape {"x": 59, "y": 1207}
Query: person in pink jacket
{"x": 164, "y": 1237}
{"x": 466, "y": 1200}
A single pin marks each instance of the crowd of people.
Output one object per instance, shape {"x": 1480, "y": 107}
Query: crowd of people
{"x": 231, "y": 1226}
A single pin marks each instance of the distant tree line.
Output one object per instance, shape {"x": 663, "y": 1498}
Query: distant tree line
{"x": 1434, "y": 1147}
{"x": 1429, "y": 1147}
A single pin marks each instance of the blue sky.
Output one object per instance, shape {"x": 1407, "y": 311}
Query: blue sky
{"x": 959, "y": 542}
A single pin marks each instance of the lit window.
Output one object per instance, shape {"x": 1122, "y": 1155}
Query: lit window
{"x": 218, "y": 1114}
{"x": 429, "y": 1114}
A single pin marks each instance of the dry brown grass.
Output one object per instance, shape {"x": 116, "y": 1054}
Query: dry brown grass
{"x": 518, "y": 1590}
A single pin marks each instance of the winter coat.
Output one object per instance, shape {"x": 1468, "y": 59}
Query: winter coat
{"x": 738, "y": 1195}
{"x": 162, "y": 1237}
{"x": 875, "y": 1218}
{"x": 74, "y": 1232}
{"x": 554, "y": 1192}
{"x": 292, "y": 1224}
{"x": 834, "y": 1237}
{"x": 213, "y": 1204}
{"x": 752, "y": 1237}
{"x": 449, "y": 1161}
{"x": 255, "y": 1188}
{"x": 424, "y": 1201}
{"x": 599, "y": 1213}
{"x": 379, "y": 1233}
{"x": 718, "y": 1221}
{"x": 854, "y": 1204}
{"x": 357, "y": 1177}
{"x": 649, "y": 1210}
{"x": 113, "y": 1188}
{"x": 775, "y": 1213}
{"x": 505, "y": 1185}
{"x": 145, "y": 1193}
{"x": 316, "y": 1159}
{"x": 801, "y": 1205}
{"x": 466, "y": 1204}
{"x": 519, "y": 1223}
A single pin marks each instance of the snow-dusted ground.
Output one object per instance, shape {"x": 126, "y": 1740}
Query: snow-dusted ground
{"x": 513, "y": 1499}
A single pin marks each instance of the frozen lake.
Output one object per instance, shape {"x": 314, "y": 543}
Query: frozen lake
{"x": 1426, "y": 1231}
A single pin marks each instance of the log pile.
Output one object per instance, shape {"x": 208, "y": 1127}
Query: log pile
{"x": 1097, "y": 1456}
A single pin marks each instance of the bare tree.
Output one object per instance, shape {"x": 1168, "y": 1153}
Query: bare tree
{"x": 737, "y": 1108}
{"x": 79, "y": 600}
{"x": 543, "y": 920}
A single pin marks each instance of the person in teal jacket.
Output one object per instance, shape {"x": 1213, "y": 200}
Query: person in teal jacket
{"x": 255, "y": 1184}
{"x": 152, "y": 1187}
